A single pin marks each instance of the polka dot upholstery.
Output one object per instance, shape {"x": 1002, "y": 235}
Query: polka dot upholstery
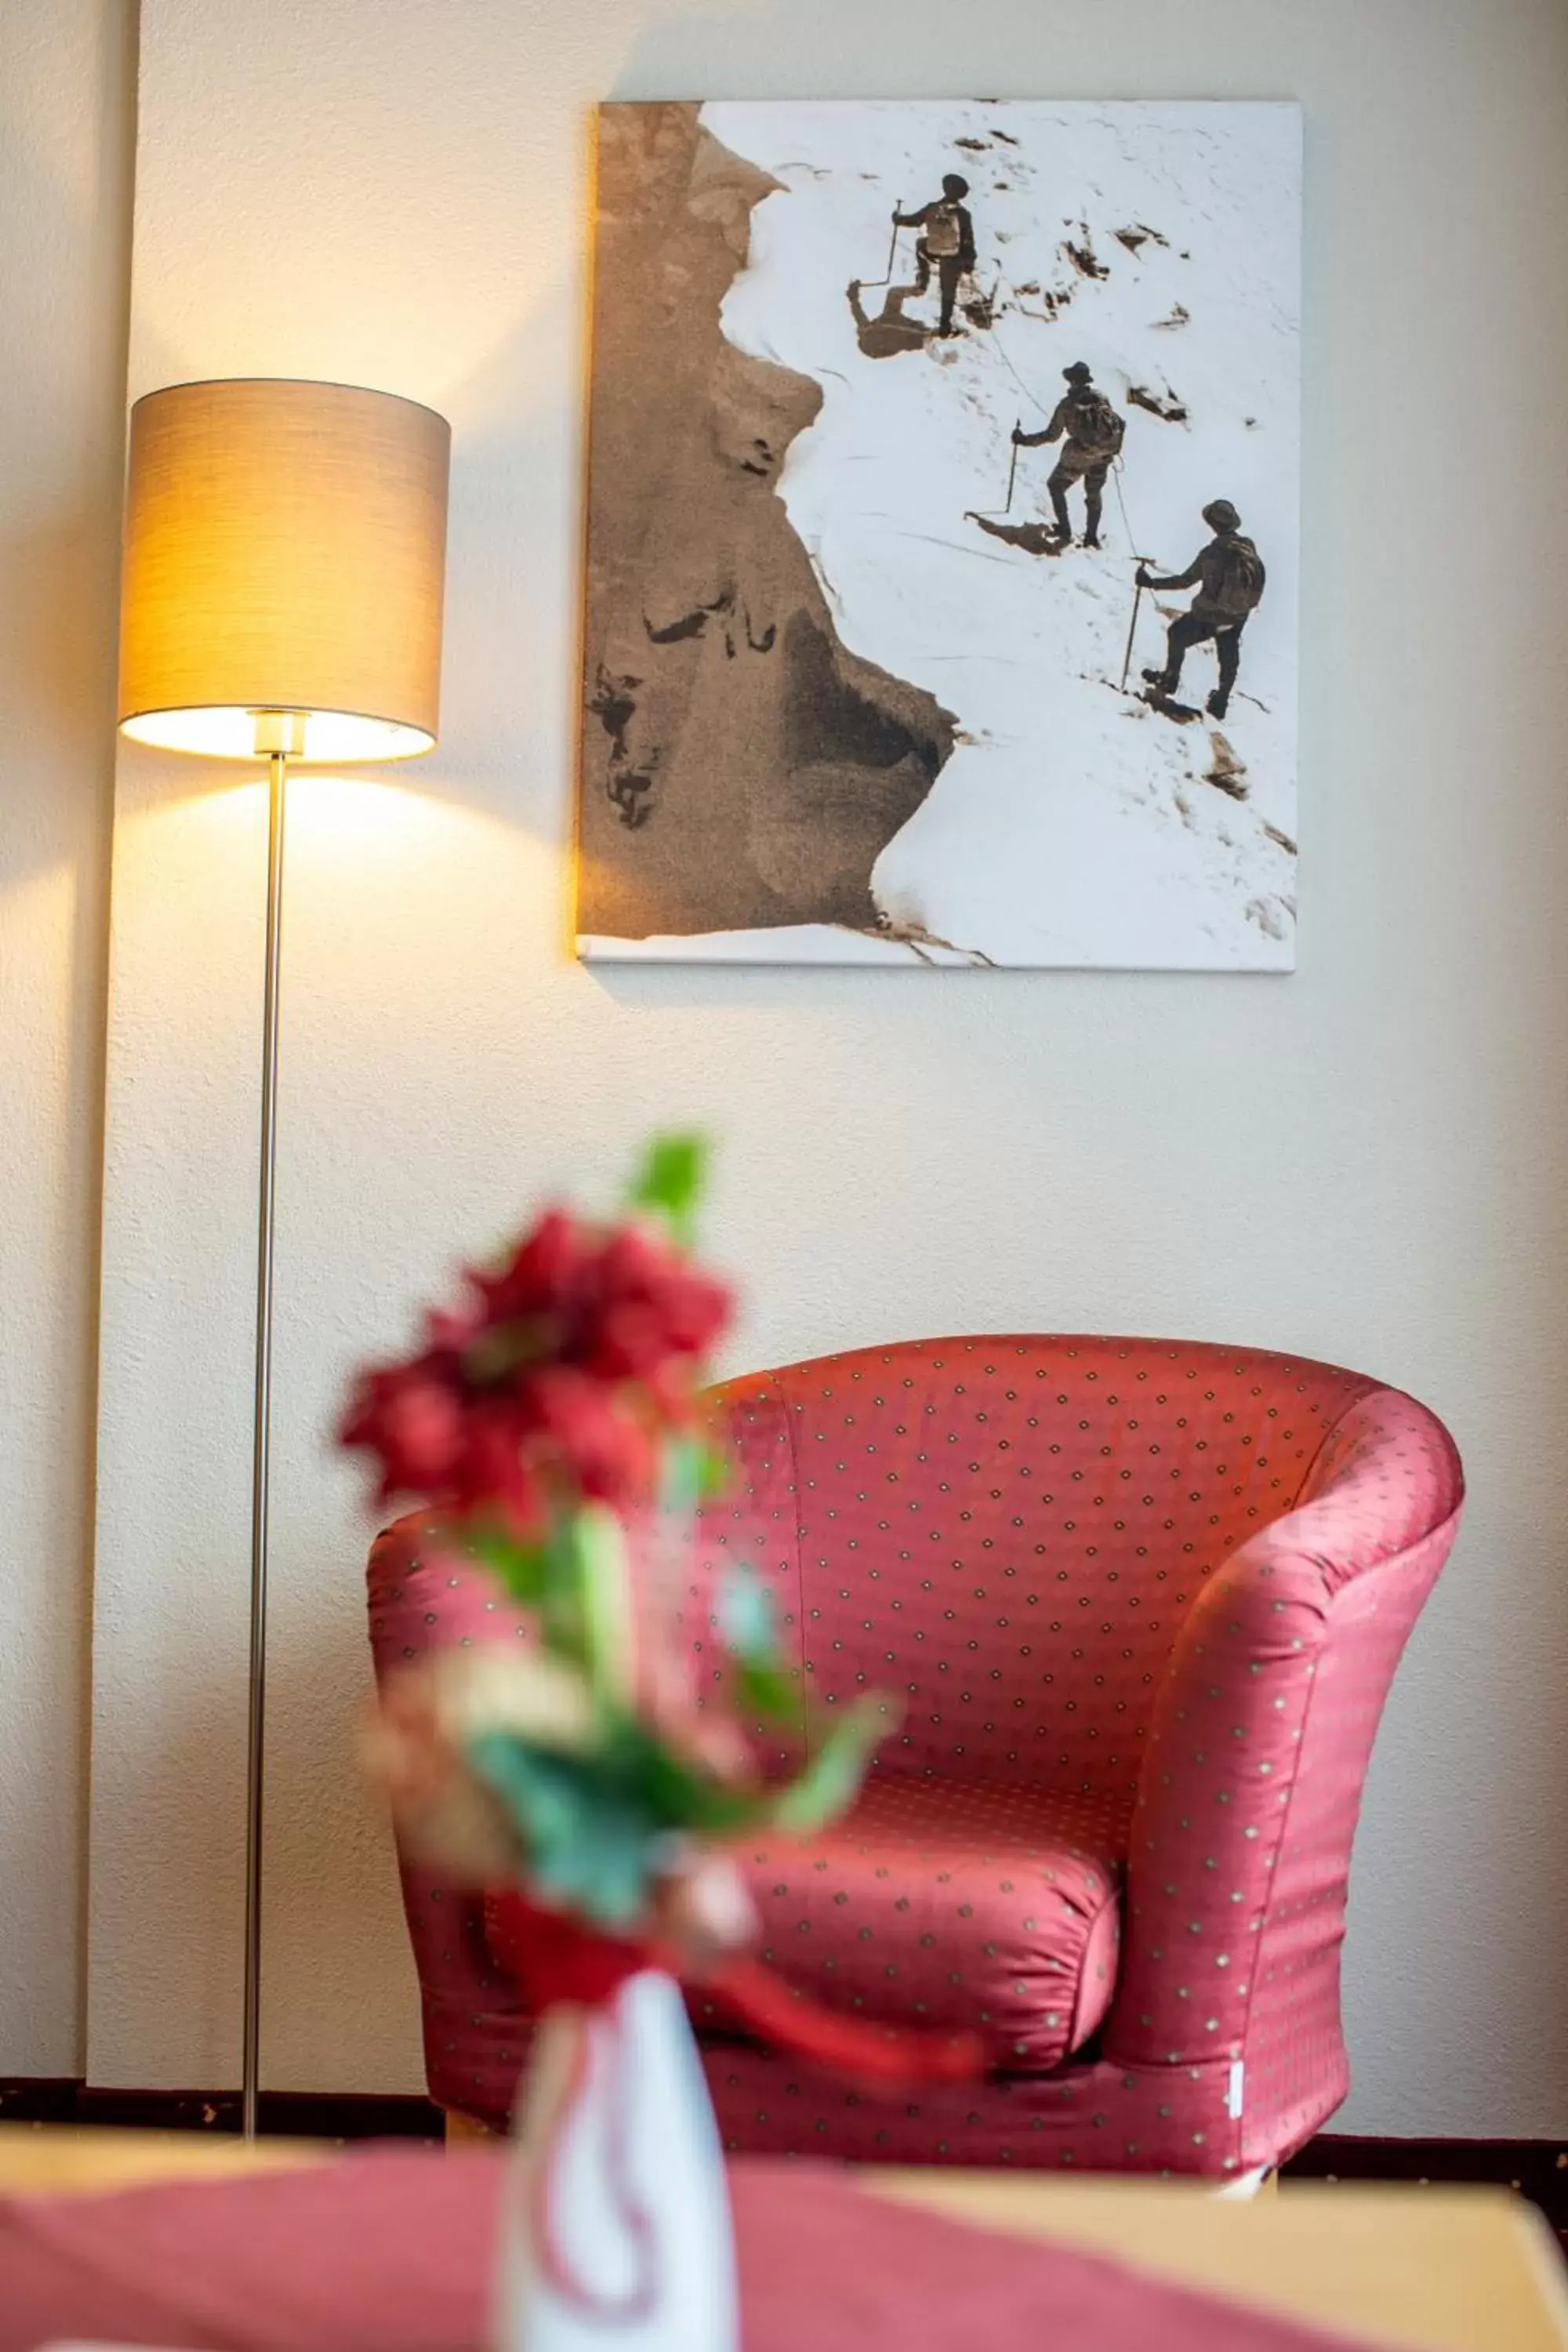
{"x": 1142, "y": 1599}
{"x": 953, "y": 1903}
{"x": 1006, "y": 1534}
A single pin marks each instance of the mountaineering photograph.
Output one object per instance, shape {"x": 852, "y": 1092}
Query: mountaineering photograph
{"x": 942, "y": 535}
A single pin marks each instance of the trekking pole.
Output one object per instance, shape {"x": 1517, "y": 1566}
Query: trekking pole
{"x": 1122, "y": 502}
{"x": 1013, "y": 468}
{"x": 1138, "y": 589}
{"x": 1131, "y": 631}
{"x": 892, "y": 250}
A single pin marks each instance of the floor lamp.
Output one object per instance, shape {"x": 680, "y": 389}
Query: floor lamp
{"x": 285, "y": 550}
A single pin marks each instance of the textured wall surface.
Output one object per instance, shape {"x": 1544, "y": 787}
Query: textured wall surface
{"x": 66, "y": 69}
{"x": 1363, "y": 1162}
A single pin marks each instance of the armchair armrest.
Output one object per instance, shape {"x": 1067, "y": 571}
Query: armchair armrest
{"x": 476, "y": 2027}
{"x": 1251, "y": 1787}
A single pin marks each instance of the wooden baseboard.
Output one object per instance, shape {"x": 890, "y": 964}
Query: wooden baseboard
{"x": 1538, "y": 2169}
{"x": 38, "y": 2099}
{"x": 294, "y": 2114}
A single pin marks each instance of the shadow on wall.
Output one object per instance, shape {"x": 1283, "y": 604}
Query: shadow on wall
{"x": 333, "y": 1941}
{"x": 336, "y": 1944}
{"x": 64, "y": 289}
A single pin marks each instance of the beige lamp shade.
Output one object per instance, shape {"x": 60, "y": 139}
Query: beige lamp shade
{"x": 285, "y": 558}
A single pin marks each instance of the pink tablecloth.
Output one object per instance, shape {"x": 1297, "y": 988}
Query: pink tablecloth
{"x": 390, "y": 2253}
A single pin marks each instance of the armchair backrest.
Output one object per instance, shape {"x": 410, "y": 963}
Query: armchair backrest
{"x": 1006, "y": 1534}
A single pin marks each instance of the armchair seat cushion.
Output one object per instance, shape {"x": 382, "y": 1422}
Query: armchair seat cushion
{"x": 954, "y": 1904}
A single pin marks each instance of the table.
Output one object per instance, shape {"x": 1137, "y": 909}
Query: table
{"x": 1447, "y": 2270}
{"x": 1442, "y": 2269}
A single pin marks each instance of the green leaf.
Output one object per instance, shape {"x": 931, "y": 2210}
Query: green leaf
{"x": 602, "y": 1579}
{"x": 693, "y": 1472}
{"x": 563, "y": 1612}
{"x": 595, "y": 1827}
{"x": 764, "y": 1687}
{"x": 523, "y": 1568}
{"x": 829, "y": 1780}
{"x": 670, "y": 1183}
{"x": 715, "y": 1471}
{"x": 590, "y": 1841}
{"x": 770, "y": 1692}
{"x": 677, "y": 1795}
{"x": 680, "y": 1478}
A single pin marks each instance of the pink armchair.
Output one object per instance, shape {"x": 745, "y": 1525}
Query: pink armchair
{"x": 1142, "y": 1602}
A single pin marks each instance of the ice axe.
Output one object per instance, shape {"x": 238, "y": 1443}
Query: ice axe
{"x": 1132, "y": 624}
{"x": 1013, "y": 468}
{"x": 892, "y": 250}
{"x": 983, "y": 514}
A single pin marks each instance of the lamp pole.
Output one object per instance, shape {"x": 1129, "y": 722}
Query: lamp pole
{"x": 276, "y": 734}
{"x": 220, "y": 655}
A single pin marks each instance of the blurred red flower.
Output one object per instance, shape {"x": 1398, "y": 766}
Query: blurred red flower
{"x": 559, "y": 1370}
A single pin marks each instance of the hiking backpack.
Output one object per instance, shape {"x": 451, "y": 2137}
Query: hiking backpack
{"x": 1238, "y": 588}
{"x": 944, "y": 231}
{"x": 1096, "y": 425}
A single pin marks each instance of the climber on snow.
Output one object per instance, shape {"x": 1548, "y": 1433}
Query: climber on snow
{"x": 947, "y": 241}
{"x": 1092, "y": 431}
{"x": 1229, "y": 577}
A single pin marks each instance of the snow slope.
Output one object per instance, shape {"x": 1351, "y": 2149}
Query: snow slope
{"x": 1073, "y": 825}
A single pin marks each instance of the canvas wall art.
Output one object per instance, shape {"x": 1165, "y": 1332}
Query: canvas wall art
{"x": 943, "y": 533}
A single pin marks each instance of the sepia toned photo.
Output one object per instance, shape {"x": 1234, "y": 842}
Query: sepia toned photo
{"x": 942, "y": 535}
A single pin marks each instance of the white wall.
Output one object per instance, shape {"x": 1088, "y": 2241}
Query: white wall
{"x": 65, "y": 68}
{"x": 1363, "y": 1161}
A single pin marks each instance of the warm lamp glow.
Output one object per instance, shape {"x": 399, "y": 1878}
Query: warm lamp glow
{"x": 284, "y": 548}
{"x": 228, "y": 732}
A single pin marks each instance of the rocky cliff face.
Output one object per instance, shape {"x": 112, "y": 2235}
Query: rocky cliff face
{"x": 740, "y": 768}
